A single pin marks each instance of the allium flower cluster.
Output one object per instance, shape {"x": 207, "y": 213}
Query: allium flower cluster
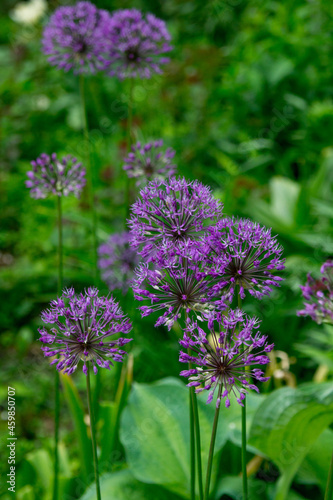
{"x": 225, "y": 359}
{"x": 318, "y": 295}
{"x": 75, "y": 38}
{"x": 84, "y": 326}
{"x": 137, "y": 44}
{"x": 253, "y": 256}
{"x": 172, "y": 212}
{"x": 51, "y": 175}
{"x": 117, "y": 261}
{"x": 149, "y": 161}
{"x": 178, "y": 284}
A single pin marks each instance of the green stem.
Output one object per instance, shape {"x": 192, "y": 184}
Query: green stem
{"x": 244, "y": 472}
{"x": 129, "y": 137}
{"x": 192, "y": 435}
{"x": 89, "y": 174}
{"x": 93, "y": 436}
{"x": 329, "y": 486}
{"x": 211, "y": 448}
{"x": 56, "y": 376}
{"x": 198, "y": 443}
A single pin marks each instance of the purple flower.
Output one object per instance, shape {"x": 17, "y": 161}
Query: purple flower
{"x": 74, "y": 38}
{"x": 117, "y": 261}
{"x": 84, "y": 326}
{"x": 178, "y": 284}
{"x": 171, "y": 211}
{"x": 222, "y": 357}
{"x": 318, "y": 295}
{"x": 53, "y": 176}
{"x": 137, "y": 44}
{"x": 149, "y": 161}
{"x": 253, "y": 255}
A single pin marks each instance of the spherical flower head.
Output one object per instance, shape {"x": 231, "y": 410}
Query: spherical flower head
{"x": 50, "y": 175}
{"x": 84, "y": 327}
{"x": 178, "y": 285}
{"x": 174, "y": 211}
{"x": 138, "y": 44}
{"x": 318, "y": 295}
{"x": 117, "y": 261}
{"x": 253, "y": 255}
{"x": 149, "y": 161}
{"x": 74, "y": 38}
{"x": 225, "y": 359}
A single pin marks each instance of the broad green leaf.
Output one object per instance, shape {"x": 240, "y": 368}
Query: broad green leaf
{"x": 233, "y": 487}
{"x": 76, "y": 408}
{"x": 122, "y": 485}
{"x": 314, "y": 469}
{"x": 287, "y": 424}
{"x": 42, "y": 463}
{"x": 156, "y": 437}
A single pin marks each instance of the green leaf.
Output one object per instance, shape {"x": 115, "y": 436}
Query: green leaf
{"x": 42, "y": 463}
{"x": 155, "y": 432}
{"x": 122, "y": 485}
{"x": 233, "y": 487}
{"x": 76, "y": 408}
{"x": 314, "y": 469}
{"x": 288, "y": 423}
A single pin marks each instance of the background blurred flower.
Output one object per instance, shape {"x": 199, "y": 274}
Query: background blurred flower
{"x": 117, "y": 261}
{"x": 137, "y": 44}
{"x": 173, "y": 210}
{"x": 149, "y": 161}
{"x": 74, "y": 38}
{"x": 53, "y": 176}
{"x": 253, "y": 253}
{"x": 318, "y": 295}
{"x": 28, "y": 12}
{"x": 83, "y": 327}
{"x": 221, "y": 358}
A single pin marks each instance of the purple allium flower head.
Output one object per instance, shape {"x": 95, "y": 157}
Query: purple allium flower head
{"x": 149, "y": 161}
{"x": 117, "y": 261}
{"x": 253, "y": 254}
{"x": 173, "y": 211}
{"x": 178, "y": 284}
{"x": 221, "y": 357}
{"x": 74, "y": 38}
{"x": 51, "y": 175}
{"x": 318, "y": 295}
{"x": 84, "y": 326}
{"x": 137, "y": 44}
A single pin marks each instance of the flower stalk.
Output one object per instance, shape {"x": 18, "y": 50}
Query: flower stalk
{"x": 212, "y": 446}
{"x": 93, "y": 435}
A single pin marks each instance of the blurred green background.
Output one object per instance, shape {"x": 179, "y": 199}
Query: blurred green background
{"x": 247, "y": 103}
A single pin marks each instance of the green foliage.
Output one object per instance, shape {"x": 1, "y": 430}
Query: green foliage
{"x": 288, "y": 423}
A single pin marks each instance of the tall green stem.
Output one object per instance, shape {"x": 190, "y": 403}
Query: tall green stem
{"x": 93, "y": 436}
{"x": 211, "y": 448}
{"x": 244, "y": 472}
{"x": 329, "y": 485}
{"x": 198, "y": 442}
{"x": 56, "y": 376}
{"x": 129, "y": 138}
{"x": 192, "y": 435}
{"x": 89, "y": 174}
